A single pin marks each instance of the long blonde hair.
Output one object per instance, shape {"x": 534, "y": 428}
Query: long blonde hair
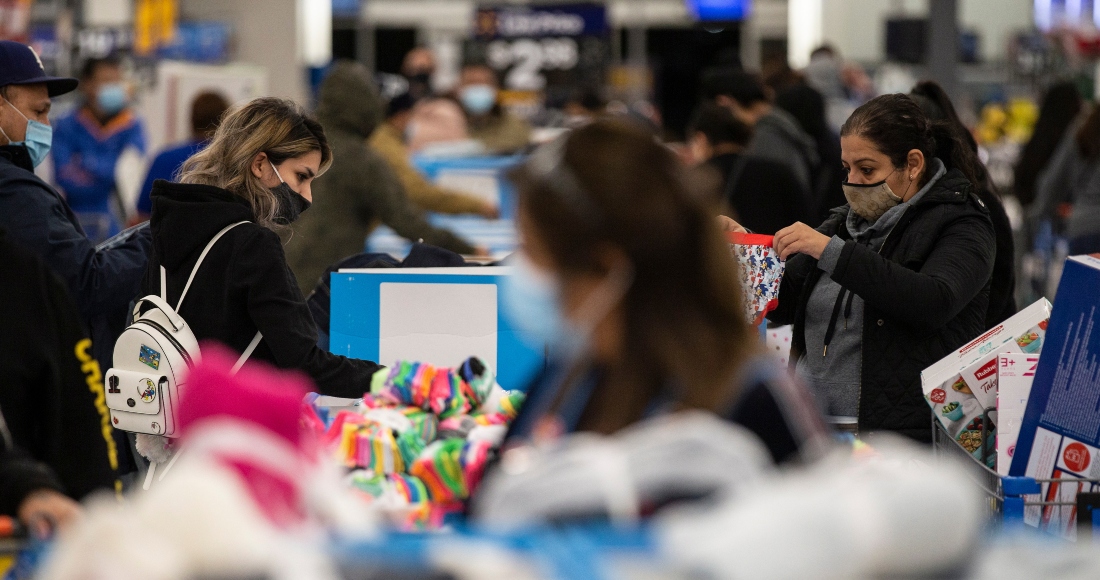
{"x": 279, "y": 127}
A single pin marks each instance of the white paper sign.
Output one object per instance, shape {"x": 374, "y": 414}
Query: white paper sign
{"x": 441, "y": 324}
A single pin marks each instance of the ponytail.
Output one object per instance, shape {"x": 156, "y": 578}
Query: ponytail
{"x": 955, "y": 152}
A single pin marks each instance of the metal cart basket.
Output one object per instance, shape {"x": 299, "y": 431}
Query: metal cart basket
{"x": 1008, "y": 498}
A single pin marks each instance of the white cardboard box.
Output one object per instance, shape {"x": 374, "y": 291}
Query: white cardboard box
{"x": 962, "y": 385}
{"x": 1015, "y": 373}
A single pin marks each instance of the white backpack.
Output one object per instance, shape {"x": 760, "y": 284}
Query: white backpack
{"x": 151, "y": 360}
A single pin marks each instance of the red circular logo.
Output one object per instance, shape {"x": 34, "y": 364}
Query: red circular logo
{"x": 1076, "y": 457}
{"x": 938, "y": 396}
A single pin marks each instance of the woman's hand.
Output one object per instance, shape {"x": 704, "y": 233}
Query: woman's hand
{"x": 46, "y": 511}
{"x": 800, "y": 239}
{"x": 728, "y": 225}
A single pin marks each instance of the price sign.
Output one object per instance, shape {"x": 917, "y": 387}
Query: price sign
{"x": 552, "y": 48}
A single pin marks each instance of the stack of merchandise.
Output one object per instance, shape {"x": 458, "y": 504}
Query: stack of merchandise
{"x": 419, "y": 442}
{"x": 1059, "y": 437}
{"x": 967, "y": 394}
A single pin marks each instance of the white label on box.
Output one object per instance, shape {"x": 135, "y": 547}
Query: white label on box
{"x": 441, "y": 324}
{"x": 1015, "y": 373}
{"x": 1017, "y": 327}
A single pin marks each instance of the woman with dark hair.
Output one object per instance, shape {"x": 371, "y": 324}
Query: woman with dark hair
{"x": 937, "y": 106}
{"x": 1073, "y": 178}
{"x": 623, "y": 272}
{"x": 1061, "y": 105}
{"x": 896, "y": 279}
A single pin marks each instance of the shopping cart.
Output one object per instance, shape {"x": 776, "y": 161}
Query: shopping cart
{"x": 1008, "y": 498}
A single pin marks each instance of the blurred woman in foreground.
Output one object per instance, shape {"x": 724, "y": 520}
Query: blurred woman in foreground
{"x": 624, "y": 273}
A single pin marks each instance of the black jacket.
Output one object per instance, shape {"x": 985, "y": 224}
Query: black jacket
{"x": 925, "y": 294}
{"x": 243, "y": 285}
{"x": 102, "y": 280}
{"x": 51, "y": 389}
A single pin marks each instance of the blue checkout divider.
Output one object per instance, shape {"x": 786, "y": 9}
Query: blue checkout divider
{"x": 356, "y": 318}
{"x": 499, "y": 235}
{"x": 494, "y": 168}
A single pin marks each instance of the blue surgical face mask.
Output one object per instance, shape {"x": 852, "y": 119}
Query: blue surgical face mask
{"x": 531, "y": 299}
{"x": 478, "y": 99}
{"x": 112, "y": 98}
{"x": 532, "y": 302}
{"x": 38, "y": 140}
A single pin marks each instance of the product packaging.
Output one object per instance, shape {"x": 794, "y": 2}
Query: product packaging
{"x": 962, "y": 387}
{"x": 1015, "y": 373}
{"x": 761, "y": 273}
{"x": 1060, "y": 433}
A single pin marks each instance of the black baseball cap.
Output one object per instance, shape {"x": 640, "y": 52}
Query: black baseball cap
{"x": 20, "y": 65}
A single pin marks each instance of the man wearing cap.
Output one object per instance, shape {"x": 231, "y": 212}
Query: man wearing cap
{"x": 102, "y": 280}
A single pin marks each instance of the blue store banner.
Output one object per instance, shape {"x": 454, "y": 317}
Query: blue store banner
{"x": 541, "y": 21}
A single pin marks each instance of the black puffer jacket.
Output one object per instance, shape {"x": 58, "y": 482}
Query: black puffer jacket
{"x": 244, "y": 284}
{"x": 925, "y": 294}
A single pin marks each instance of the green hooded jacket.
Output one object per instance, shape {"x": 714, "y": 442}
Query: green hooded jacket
{"x": 360, "y": 190}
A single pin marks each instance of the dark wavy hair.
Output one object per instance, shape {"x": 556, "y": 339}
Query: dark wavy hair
{"x": 896, "y": 125}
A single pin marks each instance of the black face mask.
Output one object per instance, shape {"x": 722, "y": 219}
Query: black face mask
{"x": 289, "y": 203}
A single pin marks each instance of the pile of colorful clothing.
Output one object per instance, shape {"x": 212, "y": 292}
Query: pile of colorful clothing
{"x": 419, "y": 442}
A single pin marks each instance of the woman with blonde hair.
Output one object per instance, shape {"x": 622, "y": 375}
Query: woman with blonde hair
{"x": 258, "y": 169}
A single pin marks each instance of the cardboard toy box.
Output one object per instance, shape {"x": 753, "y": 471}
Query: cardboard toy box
{"x": 1060, "y": 433}
{"x": 1015, "y": 373}
{"x": 962, "y": 386}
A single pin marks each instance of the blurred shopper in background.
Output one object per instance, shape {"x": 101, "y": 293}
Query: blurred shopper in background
{"x": 1073, "y": 178}
{"x": 258, "y": 168}
{"x": 625, "y": 274}
{"x": 825, "y": 74}
{"x": 51, "y": 390}
{"x": 418, "y": 68}
{"x": 761, "y": 194}
{"x": 501, "y": 132}
{"x": 894, "y": 281}
{"x": 935, "y": 103}
{"x": 388, "y": 140}
{"x": 438, "y": 127}
{"x": 776, "y": 134}
{"x": 361, "y": 191}
{"x": 1060, "y": 107}
{"x": 807, "y": 106}
{"x": 89, "y": 143}
{"x": 206, "y": 110}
